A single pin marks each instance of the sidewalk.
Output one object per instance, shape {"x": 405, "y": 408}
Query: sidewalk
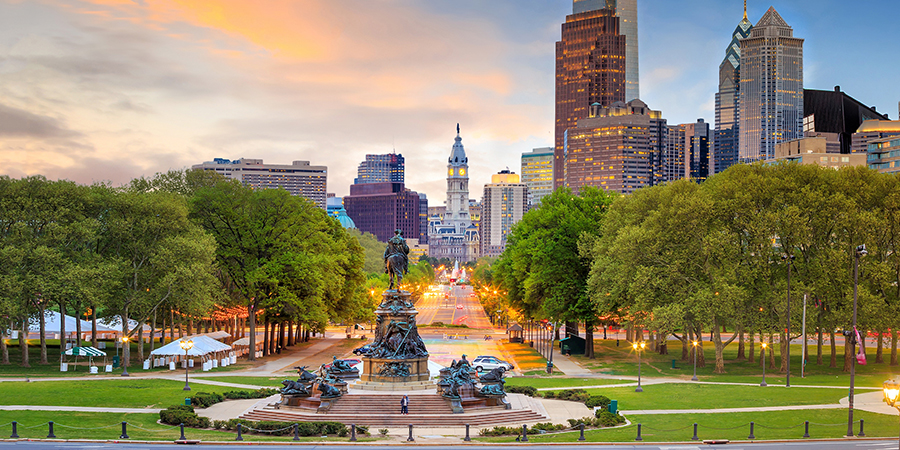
{"x": 569, "y": 367}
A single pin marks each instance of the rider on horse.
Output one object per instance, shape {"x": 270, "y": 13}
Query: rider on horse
{"x": 396, "y": 261}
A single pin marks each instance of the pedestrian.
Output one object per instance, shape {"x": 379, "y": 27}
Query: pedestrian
{"x": 404, "y": 405}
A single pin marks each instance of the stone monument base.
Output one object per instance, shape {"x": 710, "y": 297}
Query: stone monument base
{"x": 393, "y": 387}
{"x": 418, "y": 370}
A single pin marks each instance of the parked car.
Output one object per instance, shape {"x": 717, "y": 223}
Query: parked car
{"x": 362, "y": 351}
{"x": 483, "y": 363}
{"x": 459, "y": 306}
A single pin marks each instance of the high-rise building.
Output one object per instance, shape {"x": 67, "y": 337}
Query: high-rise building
{"x": 504, "y": 203}
{"x": 872, "y": 130}
{"x": 619, "y": 148}
{"x": 388, "y": 168}
{"x": 590, "y": 68}
{"x": 454, "y": 236}
{"x": 884, "y": 155}
{"x": 299, "y": 178}
{"x": 687, "y": 152}
{"x": 381, "y": 208}
{"x": 725, "y": 151}
{"x": 835, "y": 116}
{"x": 771, "y": 88}
{"x": 626, "y": 11}
{"x": 537, "y": 174}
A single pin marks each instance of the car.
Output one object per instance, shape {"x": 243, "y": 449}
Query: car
{"x": 484, "y": 362}
{"x": 362, "y": 351}
{"x": 459, "y": 307}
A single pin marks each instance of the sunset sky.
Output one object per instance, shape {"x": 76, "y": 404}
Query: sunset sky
{"x": 108, "y": 90}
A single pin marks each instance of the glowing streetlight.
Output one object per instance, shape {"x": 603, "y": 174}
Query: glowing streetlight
{"x": 186, "y": 346}
{"x": 638, "y": 347}
{"x": 891, "y": 393}
{"x": 695, "y": 361}
{"x": 125, "y": 356}
{"x": 764, "y": 345}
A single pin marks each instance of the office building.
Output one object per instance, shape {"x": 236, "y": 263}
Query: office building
{"x": 453, "y": 235}
{"x": 537, "y": 174}
{"x": 814, "y": 150}
{"x": 687, "y": 152}
{"x": 835, "y": 116}
{"x": 871, "y": 131}
{"x": 771, "y": 88}
{"x": 299, "y": 178}
{"x": 884, "y": 155}
{"x": 504, "y": 203}
{"x": 381, "y": 208}
{"x": 619, "y": 148}
{"x": 390, "y": 168}
{"x": 590, "y": 68}
{"x": 725, "y": 150}
{"x": 626, "y": 11}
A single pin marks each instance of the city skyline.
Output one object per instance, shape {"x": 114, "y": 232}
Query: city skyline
{"x": 109, "y": 90}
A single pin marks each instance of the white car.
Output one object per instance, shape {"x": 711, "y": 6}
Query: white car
{"x": 483, "y": 363}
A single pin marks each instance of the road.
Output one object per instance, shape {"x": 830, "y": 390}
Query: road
{"x": 813, "y": 445}
{"x": 457, "y": 305}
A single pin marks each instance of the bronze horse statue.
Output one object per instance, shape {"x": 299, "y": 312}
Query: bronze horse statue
{"x": 396, "y": 259}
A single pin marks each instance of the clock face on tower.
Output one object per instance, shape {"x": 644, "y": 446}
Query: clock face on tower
{"x": 462, "y": 171}
{"x": 450, "y": 172}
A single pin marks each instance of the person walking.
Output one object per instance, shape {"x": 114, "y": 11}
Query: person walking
{"x": 404, "y": 405}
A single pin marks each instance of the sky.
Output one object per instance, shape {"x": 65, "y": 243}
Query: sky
{"x": 110, "y": 90}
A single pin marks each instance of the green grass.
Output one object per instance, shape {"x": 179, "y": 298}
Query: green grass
{"x": 101, "y": 426}
{"x": 121, "y": 393}
{"x": 561, "y": 382}
{"x": 827, "y": 423}
{"x": 710, "y": 396}
{"x": 272, "y": 382}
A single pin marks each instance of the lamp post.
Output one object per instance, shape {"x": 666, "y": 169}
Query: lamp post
{"x": 186, "y": 346}
{"x": 860, "y": 252}
{"x": 125, "y": 356}
{"x": 695, "y": 361}
{"x": 763, "y": 359}
{"x": 891, "y": 392}
{"x": 638, "y": 347}
{"x": 790, "y": 260}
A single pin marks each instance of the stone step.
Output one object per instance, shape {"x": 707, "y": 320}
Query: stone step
{"x": 393, "y": 419}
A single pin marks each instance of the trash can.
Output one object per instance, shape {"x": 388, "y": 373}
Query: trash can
{"x": 673, "y": 364}
{"x": 613, "y": 406}
{"x": 115, "y": 361}
{"x": 187, "y": 401}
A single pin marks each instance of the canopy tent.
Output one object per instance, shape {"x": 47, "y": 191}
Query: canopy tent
{"x": 216, "y": 334}
{"x": 84, "y": 351}
{"x": 203, "y": 345}
{"x": 114, "y": 323}
{"x": 53, "y": 321}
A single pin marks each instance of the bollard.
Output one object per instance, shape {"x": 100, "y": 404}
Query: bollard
{"x": 639, "y": 438}
{"x": 861, "y": 423}
{"x": 467, "y": 439}
{"x": 806, "y": 433}
{"x": 15, "y": 434}
{"x": 524, "y": 433}
{"x": 581, "y": 427}
{"x": 239, "y": 437}
{"x": 352, "y": 432}
{"x": 751, "y": 432}
{"x": 410, "y": 438}
{"x": 695, "y": 433}
{"x": 124, "y": 431}
{"x": 51, "y": 435}
{"x": 182, "y": 438}
{"x": 296, "y": 431}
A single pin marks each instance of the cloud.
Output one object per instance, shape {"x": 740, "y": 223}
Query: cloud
{"x": 20, "y": 123}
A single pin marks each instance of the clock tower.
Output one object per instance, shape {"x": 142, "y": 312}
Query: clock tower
{"x": 457, "y": 213}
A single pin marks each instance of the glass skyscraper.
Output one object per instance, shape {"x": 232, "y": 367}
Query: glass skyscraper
{"x": 771, "y": 88}
{"x": 725, "y": 150}
{"x": 390, "y": 168}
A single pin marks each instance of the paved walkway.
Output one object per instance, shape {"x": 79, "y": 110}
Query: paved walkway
{"x": 569, "y": 367}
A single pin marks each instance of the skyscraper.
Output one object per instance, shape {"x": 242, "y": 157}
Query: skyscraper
{"x": 381, "y": 208}
{"x": 725, "y": 151}
{"x": 299, "y": 178}
{"x": 771, "y": 88}
{"x": 537, "y": 174}
{"x": 590, "y": 68}
{"x": 455, "y": 236}
{"x": 687, "y": 152}
{"x": 626, "y": 11}
{"x": 504, "y": 203}
{"x": 388, "y": 168}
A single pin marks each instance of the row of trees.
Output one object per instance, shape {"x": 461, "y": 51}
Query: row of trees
{"x": 685, "y": 258}
{"x": 180, "y": 241}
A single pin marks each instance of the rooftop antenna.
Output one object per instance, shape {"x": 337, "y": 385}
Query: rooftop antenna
{"x": 745, "y": 9}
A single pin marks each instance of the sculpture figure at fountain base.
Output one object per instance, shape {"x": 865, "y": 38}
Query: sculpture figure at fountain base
{"x": 398, "y": 354}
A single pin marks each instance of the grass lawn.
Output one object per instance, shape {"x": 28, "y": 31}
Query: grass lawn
{"x": 825, "y": 423}
{"x": 271, "y": 382}
{"x": 561, "y": 382}
{"x": 711, "y": 396}
{"x": 76, "y": 425}
{"x": 120, "y": 393}
{"x": 526, "y": 358}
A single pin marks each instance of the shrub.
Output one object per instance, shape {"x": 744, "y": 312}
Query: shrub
{"x": 206, "y": 399}
{"x": 244, "y": 395}
{"x": 286, "y": 428}
{"x": 179, "y": 414}
{"x": 362, "y": 429}
{"x": 597, "y": 400}
{"x": 383, "y": 431}
{"x": 546, "y": 426}
{"x": 574, "y": 395}
{"x": 548, "y": 394}
{"x": 530, "y": 391}
{"x": 608, "y": 419}
{"x": 219, "y": 424}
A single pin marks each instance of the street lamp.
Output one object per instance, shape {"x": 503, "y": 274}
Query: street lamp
{"x": 790, "y": 260}
{"x": 186, "y": 346}
{"x": 891, "y": 392}
{"x": 763, "y": 355}
{"x": 695, "y": 361}
{"x": 860, "y": 252}
{"x": 125, "y": 356}
{"x": 638, "y": 347}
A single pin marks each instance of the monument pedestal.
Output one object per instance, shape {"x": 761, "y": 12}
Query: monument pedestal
{"x": 398, "y": 354}
{"x": 375, "y": 367}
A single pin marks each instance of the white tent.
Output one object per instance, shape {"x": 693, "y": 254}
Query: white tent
{"x": 53, "y": 320}
{"x": 203, "y": 345}
{"x": 115, "y": 324}
{"x": 216, "y": 334}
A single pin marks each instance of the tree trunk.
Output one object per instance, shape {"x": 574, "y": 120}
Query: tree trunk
{"x": 93, "y": 326}
{"x": 126, "y": 348}
{"x": 153, "y": 332}
{"x": 589, "y": 340}
{"x": 848, "y": 354}
{"x": 771, "y": 352}
{"x": 180, "y": 325}
{"x": 785, "y": 342}
{"x": 893, "y": 347}
{"x": 251, "y": 316}
{"x": 43, "y": 332}
{"x": 190, "y": 326}
{"x": 290, "y": 333}
{"x": 879, "y": 349}
{"x": 78, "y": 328}
{"x": 171, "y": 325}
{"x": 701, "y": 356}
{"x": 819, "y": 343}
{"x": 752, "y": 341}
{"x": 741, "y": 355}
{"x": 140, "y": 341}
{"x": 833, "y": 351}
{"x": 717, "y": 342}
{"x": 4, "y": 351}
{"x": 265, "y": 337}
{"x": 23, "y": 342}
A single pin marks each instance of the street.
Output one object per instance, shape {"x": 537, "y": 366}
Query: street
{"x": 452, "y": 305}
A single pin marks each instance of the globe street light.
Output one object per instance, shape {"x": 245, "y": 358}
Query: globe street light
{"x": 695, "y": 361}
{"x": 125, "y": 356}
{"x": 638, "y": 347}
{"x": 186, "y": 346}
{"x": 860, "y": 252}
{"x": 763, "y": 355}
{"x": 891, "y": 392}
